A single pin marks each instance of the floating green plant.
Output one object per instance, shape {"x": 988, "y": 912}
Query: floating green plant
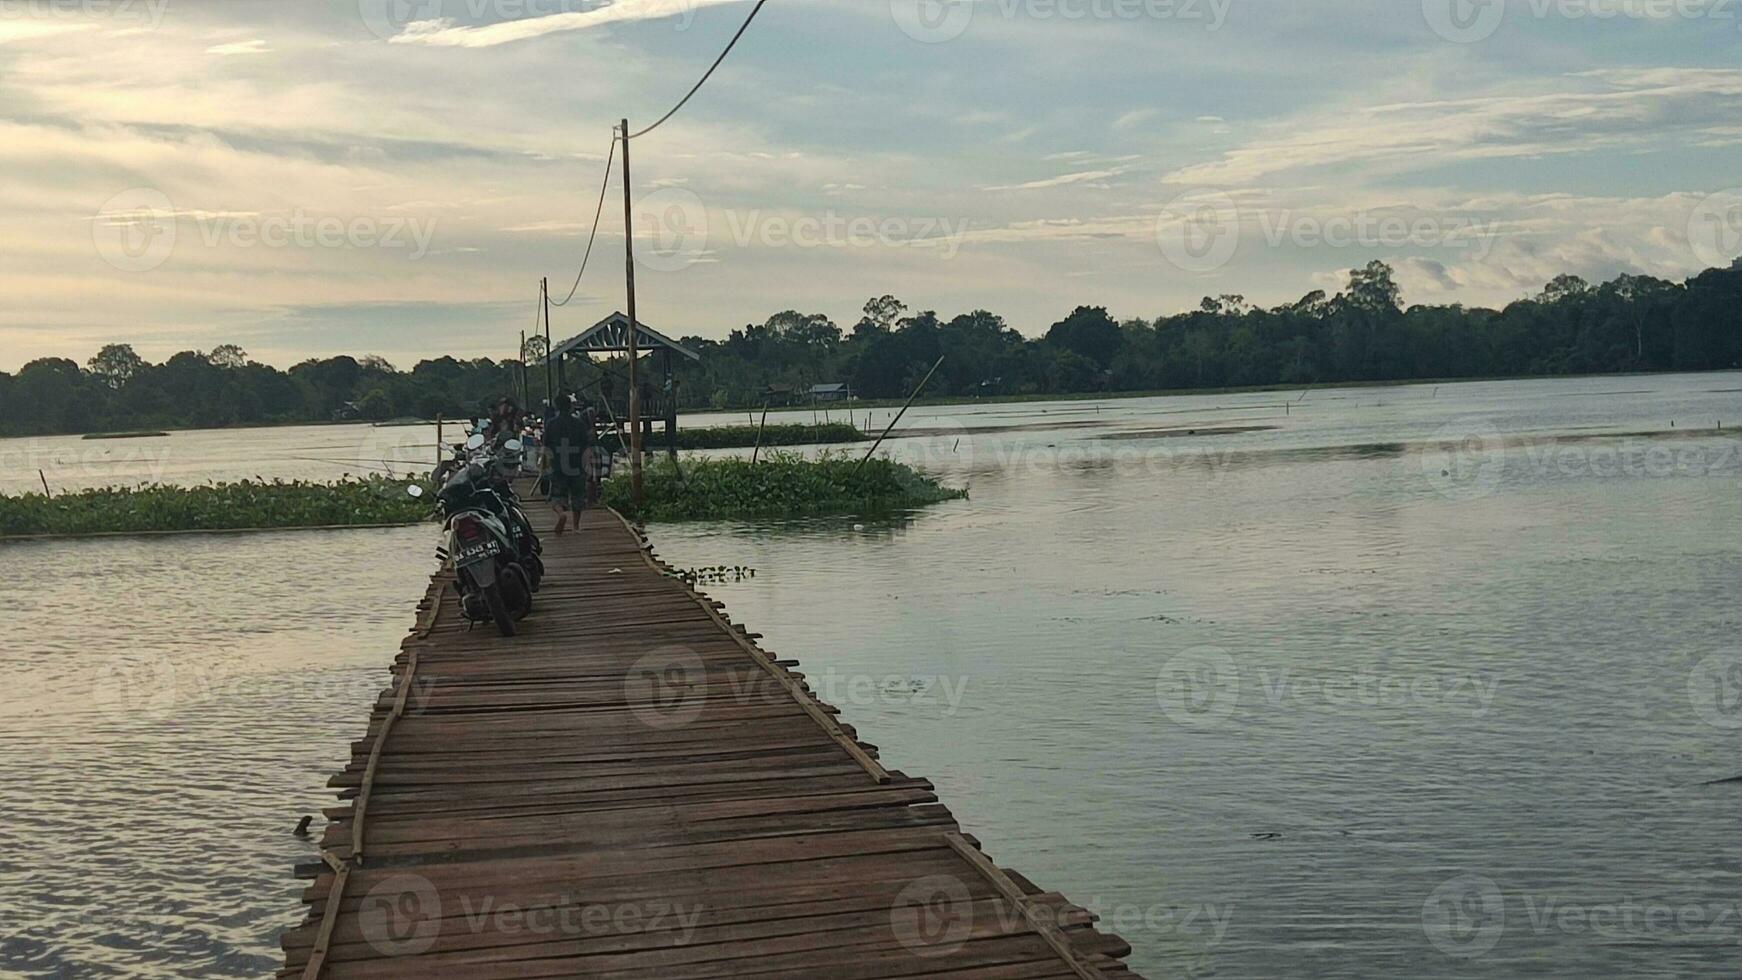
{"x": 780, "y": 485}
{"x": 242, "y": 505}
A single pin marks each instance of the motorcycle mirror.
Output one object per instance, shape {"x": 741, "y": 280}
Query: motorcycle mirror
{"x": 476, "y": 442}
{"x": 512, "y": 445}
{"x": 414, "y": 490}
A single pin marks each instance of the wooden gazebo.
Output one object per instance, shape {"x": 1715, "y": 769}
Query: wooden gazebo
{"x": 611, "y": 336}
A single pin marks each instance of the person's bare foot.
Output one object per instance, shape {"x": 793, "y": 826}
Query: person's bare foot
{"x": 562, "y": 523}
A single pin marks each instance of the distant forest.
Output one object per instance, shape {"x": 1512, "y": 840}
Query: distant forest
{"x": 1362, "y": 334}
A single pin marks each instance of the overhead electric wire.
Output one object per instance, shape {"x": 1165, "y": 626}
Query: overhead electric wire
{"x": 610, "y": 158}
{"x": 717, "y": 62}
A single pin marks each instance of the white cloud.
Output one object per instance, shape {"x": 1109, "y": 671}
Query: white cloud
{"x": 1583, "y": 112}
{"x": 25, "y": 30}
{"x": 255, "y": 46}
{"x": 1135, "y": 118}
{"x": 1063, "y": 180}
{"x": 445, "y": 32}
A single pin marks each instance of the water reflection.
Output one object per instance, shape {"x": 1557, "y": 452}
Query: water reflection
{"x": 174, "y": 706}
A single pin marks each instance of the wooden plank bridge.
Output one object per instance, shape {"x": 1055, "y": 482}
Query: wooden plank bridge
{"x": 633, "y": 788}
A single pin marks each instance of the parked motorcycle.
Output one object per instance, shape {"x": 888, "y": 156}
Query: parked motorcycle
{"x": 494, "y": 551}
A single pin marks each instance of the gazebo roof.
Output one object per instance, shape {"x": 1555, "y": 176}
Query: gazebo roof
{"x": 611, "y": 336}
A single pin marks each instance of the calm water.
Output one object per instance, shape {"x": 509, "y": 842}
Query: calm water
{"x": 1407, "y": 682}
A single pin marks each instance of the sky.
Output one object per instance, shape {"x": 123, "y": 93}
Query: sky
{"x": 394, "y": 177}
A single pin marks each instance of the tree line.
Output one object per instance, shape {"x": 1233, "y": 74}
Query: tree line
{"x": 1362, "y": 334}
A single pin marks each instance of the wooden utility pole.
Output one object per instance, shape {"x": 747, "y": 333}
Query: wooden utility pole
{"x": 549, "y": 384}
{"x": 634, "y": 354}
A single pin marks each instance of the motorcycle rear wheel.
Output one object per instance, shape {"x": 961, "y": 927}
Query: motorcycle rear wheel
{"x": 499, "y": 610}
{"x": 519, "y": 594}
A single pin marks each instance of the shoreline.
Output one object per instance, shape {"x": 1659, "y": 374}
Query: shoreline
{"x": 881, "y": 403}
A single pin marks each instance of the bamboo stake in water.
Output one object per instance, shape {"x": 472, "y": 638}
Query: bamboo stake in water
{"x": 758, "y": 450}
{"x": 45, "y": 490}
{"x": 893, "y": 422}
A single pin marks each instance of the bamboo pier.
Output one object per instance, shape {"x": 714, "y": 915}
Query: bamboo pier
{"x": 632, "y": 787}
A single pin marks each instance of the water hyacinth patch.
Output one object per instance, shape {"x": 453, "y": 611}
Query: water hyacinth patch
{"x": 242, "y": 505}
{"x": 782, "y": 485}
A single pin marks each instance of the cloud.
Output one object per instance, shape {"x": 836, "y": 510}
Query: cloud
{"x": 25, "y": 30}
{"x": 445, "y": 32}
{"x": 1588, "y": 111}
{"x": 1063, "y": 180}
{"x": 1135, "y": 118}
{"x": 256, "y": 46}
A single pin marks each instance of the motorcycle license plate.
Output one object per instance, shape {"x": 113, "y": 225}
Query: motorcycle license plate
{"x": 477, "y": 552}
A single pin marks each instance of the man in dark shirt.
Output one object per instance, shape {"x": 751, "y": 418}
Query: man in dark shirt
{"x": 566, "y": 439}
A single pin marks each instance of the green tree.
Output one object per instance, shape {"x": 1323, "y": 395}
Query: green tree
{"x": 376, "y": 406}
{"x": 228, "y": 356}
{"x": 1090, "y": 332}
{"x": 1563, "y": 287}
{"x": 115, "y": 364}
{"x": 880, "y": 316}
{"x": 1374, "y": 288}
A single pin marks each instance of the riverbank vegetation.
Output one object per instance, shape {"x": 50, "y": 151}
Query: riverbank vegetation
{"x": 244, "y": 505}
{"x": 783, "y": 485}
{"x": 1362, "y": 334}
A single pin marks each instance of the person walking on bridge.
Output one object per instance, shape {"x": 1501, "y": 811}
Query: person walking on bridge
{"x": 566, "y": 440}
{"x": 505, "y": 422}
